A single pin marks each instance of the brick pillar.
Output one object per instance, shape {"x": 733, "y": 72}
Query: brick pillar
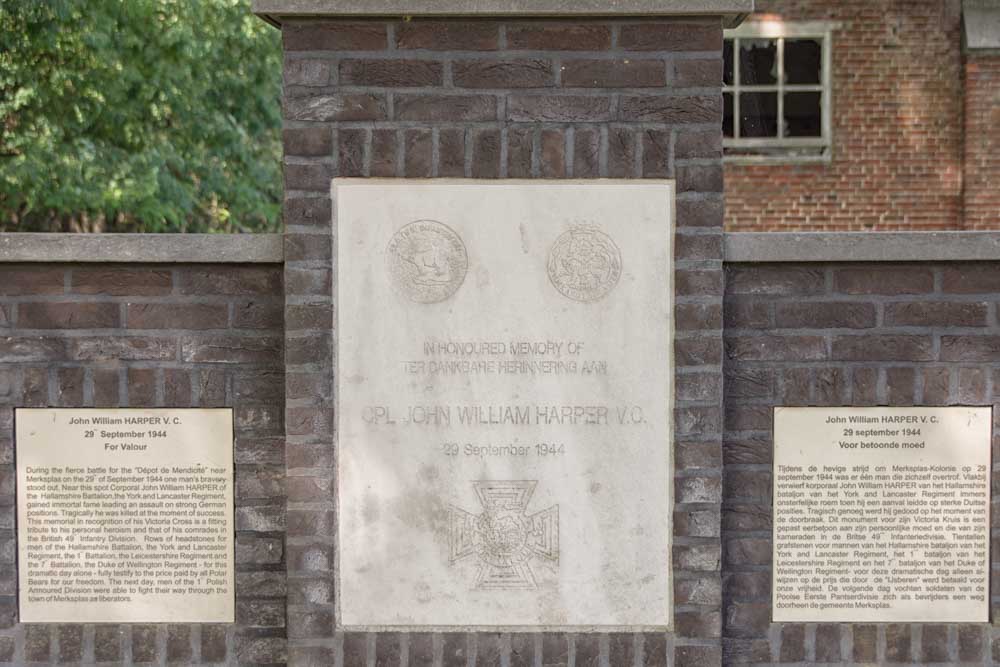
{"x": 503, "y": 97}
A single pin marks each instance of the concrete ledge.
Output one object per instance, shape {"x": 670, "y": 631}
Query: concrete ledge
{"x": 752, "y": 247}
{"x": 143, "y": 248}
{"x": 861, "y": 246}
{"x": 981, "y": 25}
{"x": 277, "y": 10}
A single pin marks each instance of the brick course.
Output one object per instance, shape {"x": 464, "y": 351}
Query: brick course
{"x": 153, "y": 336}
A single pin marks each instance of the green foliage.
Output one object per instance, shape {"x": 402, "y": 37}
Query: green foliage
{"x": 138, "y": 115}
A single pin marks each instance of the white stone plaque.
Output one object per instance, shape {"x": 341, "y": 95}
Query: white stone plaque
{"x": 504, "y": 381}
{"x": 125, "y": 515}
{"x": 882, "y": 514}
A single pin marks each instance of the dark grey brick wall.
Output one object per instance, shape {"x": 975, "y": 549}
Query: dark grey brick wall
{"x": 201, "y": 335}
{"x": 503, "y": 99}
{"x": 844, "y": 334}
{"x": 154, "y": 336}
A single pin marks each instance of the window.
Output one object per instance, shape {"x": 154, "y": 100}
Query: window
{"x": 776, "y": 92}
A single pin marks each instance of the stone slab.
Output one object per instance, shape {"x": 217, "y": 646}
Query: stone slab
{"x": 277, "y": 10}
{"x": 504, "y": 378}
{"x": 125, "y": 515}
{"x": 981, "y": 24}
{"x": 144, "y": 248}
{"x": 882, "y": 515}
{"x": 861, "y": 246}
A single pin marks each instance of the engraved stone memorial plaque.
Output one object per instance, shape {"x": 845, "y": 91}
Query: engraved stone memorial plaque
{"x": 125, "y": 515}
{"x": 504, "y": 374}
{"x": 882, "y": 514}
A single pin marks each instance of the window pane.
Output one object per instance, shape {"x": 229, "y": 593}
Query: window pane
{"x": 727, "y": 62}
{"x": 803, "y": 115}
{"x": 727, "y": 114}
{"x": 759, "y": 115}
{"x": 803, "y": 61}
{"x": 758, "y": 61}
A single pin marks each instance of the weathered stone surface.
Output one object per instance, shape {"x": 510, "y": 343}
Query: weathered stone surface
{"x": 472, "y": 334}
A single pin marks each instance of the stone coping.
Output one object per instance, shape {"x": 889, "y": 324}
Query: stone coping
{"x": 143, "y": 248}
{"x": 752, "y": 247}
{"x": 861, "y": 246}
{"x": 275, "y": 11}
{"x": 981, "y": 25}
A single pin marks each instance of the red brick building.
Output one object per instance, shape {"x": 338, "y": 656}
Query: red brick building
{"x": 863, "y": 115}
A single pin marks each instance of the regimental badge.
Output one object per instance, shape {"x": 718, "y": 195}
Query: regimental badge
{"x": 427, "y": 261}
{"x": 504, "y": 539}
{"x": 584, "y": 264}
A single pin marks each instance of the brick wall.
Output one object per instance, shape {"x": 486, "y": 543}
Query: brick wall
{"x": 897, "y": 127}
{"x": 982, "y": 141}
{"x": 852, "y": 335}
{"x": 496, "y": 99}
{"x": 822, "y": 334}
{"x": 153, "y": 336}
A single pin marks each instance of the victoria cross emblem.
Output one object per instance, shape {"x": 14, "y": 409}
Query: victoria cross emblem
{"x": 504, "y": 539}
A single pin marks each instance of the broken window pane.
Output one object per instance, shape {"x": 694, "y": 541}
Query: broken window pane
{"x": 803, "y": 61}
{"x": 775, "y": 91}
{"x": 803, "y": 115}
{"x": 758, "y": 60}
{"x": 759, "y": 114}
{"x": 727, "y": 114}
{"x": 727, "y": 62}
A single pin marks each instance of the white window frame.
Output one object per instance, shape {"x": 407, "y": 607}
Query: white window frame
{"x": 823, "y": 144}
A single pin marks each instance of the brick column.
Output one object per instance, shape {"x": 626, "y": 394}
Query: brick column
{"x": 502, "y": 97}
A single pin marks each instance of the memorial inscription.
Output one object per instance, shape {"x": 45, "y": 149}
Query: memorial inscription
{"x": 125, "y": 515}
{"x": 504, "y": 403}
{"x": 881, "y": 514}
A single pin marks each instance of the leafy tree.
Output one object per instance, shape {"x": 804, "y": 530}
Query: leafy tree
{"x": 138, "y": 115}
